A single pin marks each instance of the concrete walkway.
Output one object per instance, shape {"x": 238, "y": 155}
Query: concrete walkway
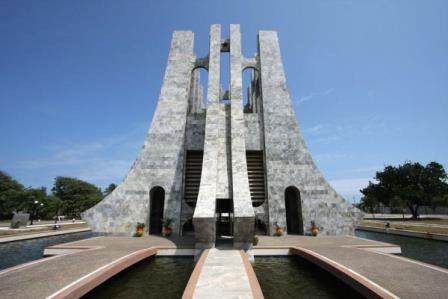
{"x": 223, "y": 275}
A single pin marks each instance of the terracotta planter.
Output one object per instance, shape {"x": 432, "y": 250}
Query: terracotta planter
{"x": 167, "y": 231}
{"x": 140, "y": 230}
{"x": 314, "y": 231}
{"x": 279, "y": 231}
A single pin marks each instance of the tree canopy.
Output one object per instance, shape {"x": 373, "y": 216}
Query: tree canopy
{"x": 10, "y": 195}
{"x": 410, "y": 185}
{"x": 69, "y": 196}
{"x": 76, "y": 195}
{"x": 109, "y": 189}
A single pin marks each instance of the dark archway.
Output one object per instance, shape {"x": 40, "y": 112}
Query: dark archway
{"x": 293, "y": 206}
{"x": 188, "y": 228}
{"x": 156, "y": 205}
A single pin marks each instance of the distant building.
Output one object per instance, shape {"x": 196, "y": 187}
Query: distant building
{"x": 219, "y": 167}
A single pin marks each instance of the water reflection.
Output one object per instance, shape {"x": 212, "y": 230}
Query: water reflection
{"x": 19, "y": 252}
{"x": 294, "y": 277}
{"x": 155, "y": 277}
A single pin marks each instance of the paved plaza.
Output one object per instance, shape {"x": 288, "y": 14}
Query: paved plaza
{"x": 399, "y": 276}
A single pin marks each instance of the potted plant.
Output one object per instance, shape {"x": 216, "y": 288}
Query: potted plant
{"x": 139, "y": 229}
{"x": 255, "y": 241}
{"x": 314, "y": 229}
{"x": 167, "y": 230}
{"x": 279, "y": 230}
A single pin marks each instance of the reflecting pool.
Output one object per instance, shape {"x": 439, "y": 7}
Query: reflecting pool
{"x": 19, "y": 252}
{"x": 428, "y": 251}
{"x": 155, "y": 277}
{"x": 294, "y": 277}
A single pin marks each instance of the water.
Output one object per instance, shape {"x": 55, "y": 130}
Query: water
{"x": 294, "y": 277}
{"x": 155, "y": 277}
{"x": 428, "y": 251}
{"x": 19, "y": 252}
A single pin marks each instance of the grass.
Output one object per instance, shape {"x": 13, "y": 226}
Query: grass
{"x": 431, "y": 221}
{"x": 20, "y": 232}
{"x": 423, "y": 229}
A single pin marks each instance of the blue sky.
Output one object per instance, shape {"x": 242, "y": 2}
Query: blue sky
{"x": 79, "y": 80}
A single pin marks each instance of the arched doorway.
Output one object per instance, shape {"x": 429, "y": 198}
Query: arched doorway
{"x": 156, "y": 205}
{"x": 293, "y": 206}
{"x": 188, "y": 228}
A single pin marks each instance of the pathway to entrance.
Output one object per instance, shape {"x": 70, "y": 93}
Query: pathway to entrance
{"x": 223, "y": 273}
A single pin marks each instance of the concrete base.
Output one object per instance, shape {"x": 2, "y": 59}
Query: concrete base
{"x": 242, "y": 245}
{"x": 243, "y": 230}
{"x": 205, "y": 232}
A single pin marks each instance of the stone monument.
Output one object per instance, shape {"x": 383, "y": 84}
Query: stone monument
{"x": 218, "y": 167}
{"x": 19, "y": 220}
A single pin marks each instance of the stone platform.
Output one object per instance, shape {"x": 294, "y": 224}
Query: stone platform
{"x": 79, "y": 260}
{"x": 359, "y": 261}
{"x": 365, "y": 265}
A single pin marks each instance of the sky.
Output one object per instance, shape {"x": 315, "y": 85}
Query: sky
{"x": 79, "y": 80}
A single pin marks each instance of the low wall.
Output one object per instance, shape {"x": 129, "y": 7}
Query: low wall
{"x": 406, "y": 233}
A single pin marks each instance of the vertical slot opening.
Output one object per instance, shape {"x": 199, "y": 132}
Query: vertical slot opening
{"x": 198, "y": 90}
{"x": 225, "y": 78}
{"x": 247, "y": 90}
{"x": 203, "y": 87}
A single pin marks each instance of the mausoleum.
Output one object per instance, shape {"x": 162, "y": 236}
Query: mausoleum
{"x": 217, "y": 166}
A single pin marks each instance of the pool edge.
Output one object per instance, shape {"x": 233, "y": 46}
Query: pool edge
{"x": 356, "y": 281}
{"x": 88, "y": 282}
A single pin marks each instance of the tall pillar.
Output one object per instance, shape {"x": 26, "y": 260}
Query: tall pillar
{"x": 204, "y": 214}
{"x": 244, "y": 216}
{"x": 160, "y": 161}
{"x": 288, "y": 161}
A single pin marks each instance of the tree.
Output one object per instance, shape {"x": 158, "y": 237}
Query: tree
{"x": 32, "y": 201}
{"x": 10, "y": 195}
{"x": 109, "y": 189}
{"x": 398, "y": 203}
{"x": 76, "y": 195}
{"x": 52, "y": 207}
{"x": 410, "y": 185}
{"x": 369, "y": 201}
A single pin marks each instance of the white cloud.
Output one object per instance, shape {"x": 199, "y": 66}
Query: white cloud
{"x": 349, "y": 188}
{"x": 367, "y": 169}
{"x": 328, "y": 133}
{"x": 102, "y": 161}
{"x": 329, "y": 157}
{"x": 314, "y": 130}
{"x": 314, "y": 95}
